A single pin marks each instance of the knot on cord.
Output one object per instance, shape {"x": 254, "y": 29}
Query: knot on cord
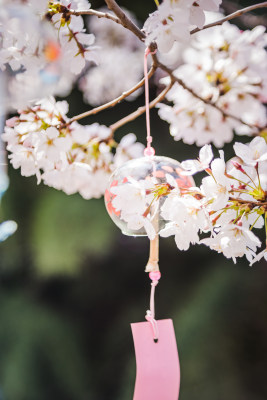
{"x": 154, "y": 325}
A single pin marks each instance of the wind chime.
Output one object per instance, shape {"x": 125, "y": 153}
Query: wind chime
{"x": 149, "y": 180}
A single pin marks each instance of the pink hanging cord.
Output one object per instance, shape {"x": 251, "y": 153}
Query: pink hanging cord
{"x": 149, "y": 150}
{"x": 150, "y": 314}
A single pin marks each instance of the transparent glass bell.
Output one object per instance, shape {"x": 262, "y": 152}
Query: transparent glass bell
{"x": 137, "y": 191}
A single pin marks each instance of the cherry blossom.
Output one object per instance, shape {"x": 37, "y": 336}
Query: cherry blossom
{"x": 45, "y": 53}
{"x": 221, "y": 214}
{"x": 188, "y": 218}
{"x": 193, "y": 121}
{"x": 216, "y": 187}
{"x": 233, "y": 241}
{"x": 132, "y": 200}
{"x": 203, "y": 162}
{"x": 254, "y": 152}
{"x": 171, "y": 21}
{"x": 225, "y": 72}
{"x": 218, "y": 88}
{"x": 131, "y": 196}
{"x": 259, "y": 256}
{"x": 76, "y": 44}
{"x": 197, "y": 14}
{"x": 73, "y": 158}
{"x": 168, "y": 24}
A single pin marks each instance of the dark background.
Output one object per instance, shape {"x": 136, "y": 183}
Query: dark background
{"x": 71, "y": 283}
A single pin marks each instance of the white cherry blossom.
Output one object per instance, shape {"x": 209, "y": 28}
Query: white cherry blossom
{"x": 254, "y": 152}
{"x": 197, "y": 14}
{"x": 45, "y": 53}
{"x": 183, "y": 235}
{"x": 233, "y": 241}
{"x": 73, "y": 158}
{"x": 203, "y": 162}
{"x": 225, "y": 66}
{"x": 131, "y": 196}
{"x": 168, "y": 24}
{"x": 137, "y": 222}
{"x": 259, "y": 256}
{"x": 45, "y": 49}
{"x": 128, "y": 148}
{"x": 216, "y": 187}
{"x": 172, "y": 20}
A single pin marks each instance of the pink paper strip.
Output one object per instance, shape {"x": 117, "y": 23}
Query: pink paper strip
{"x": 157, "y": 364}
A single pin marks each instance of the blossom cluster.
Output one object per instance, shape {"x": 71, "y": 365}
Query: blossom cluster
{"x": 227, "y": 68}
{"x": 42, "y": 56}
{"x": 222, "y": 213}
{"x": 172, "y": 20}
{"x": 67, "y": 156}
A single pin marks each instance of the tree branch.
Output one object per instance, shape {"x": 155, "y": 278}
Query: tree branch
{"x": 141, "y": 110}
{"x": 125, "y": 21}
{"x": 113, "y": 102}
{"x": 98, "y": 14}
{"x": 231, "y": 16}
{"x": 122, "y": 19}
{"x": 253, "y": 203}
{"x": 249, "y": 20}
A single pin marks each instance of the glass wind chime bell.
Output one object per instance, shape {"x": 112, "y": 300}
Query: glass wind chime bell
{"x": 135, "y": 201}
{"x": 148, "y": 180}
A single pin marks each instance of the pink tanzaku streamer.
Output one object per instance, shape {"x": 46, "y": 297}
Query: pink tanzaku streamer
{"x": 149, "y": 150}
{"x": 157, "y": 364}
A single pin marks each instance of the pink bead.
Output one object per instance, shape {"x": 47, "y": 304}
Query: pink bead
{"x": 149, "y": 151}
{"x": 155, "y": 275}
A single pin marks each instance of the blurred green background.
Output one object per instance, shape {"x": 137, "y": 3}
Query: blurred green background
{"x": 71, "y": 283}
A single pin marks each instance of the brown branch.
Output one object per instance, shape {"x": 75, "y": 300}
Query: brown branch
{"x": 248, "y": 20}
{"x": 125, "y": 21}
{"x": 122, "y": 19}
{"x": 231, "y": 16}
{"x": 113, "y": 102}
{"x": 253, "y": 203}
{"x": 141, "y": 110}
{"x": 98, "y": 14}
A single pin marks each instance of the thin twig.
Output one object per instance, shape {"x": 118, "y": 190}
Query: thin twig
{"x": 249, "y": 20}
{"x": 141, "y": 110}
{"x": 122, "y": 19}
{"x": 125, "y": 21}
{"x": 253, "y": 203}
{"x": 231, "y": 16}
{"x": 98, "y": 14}
{"x": 113, "y": 102}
